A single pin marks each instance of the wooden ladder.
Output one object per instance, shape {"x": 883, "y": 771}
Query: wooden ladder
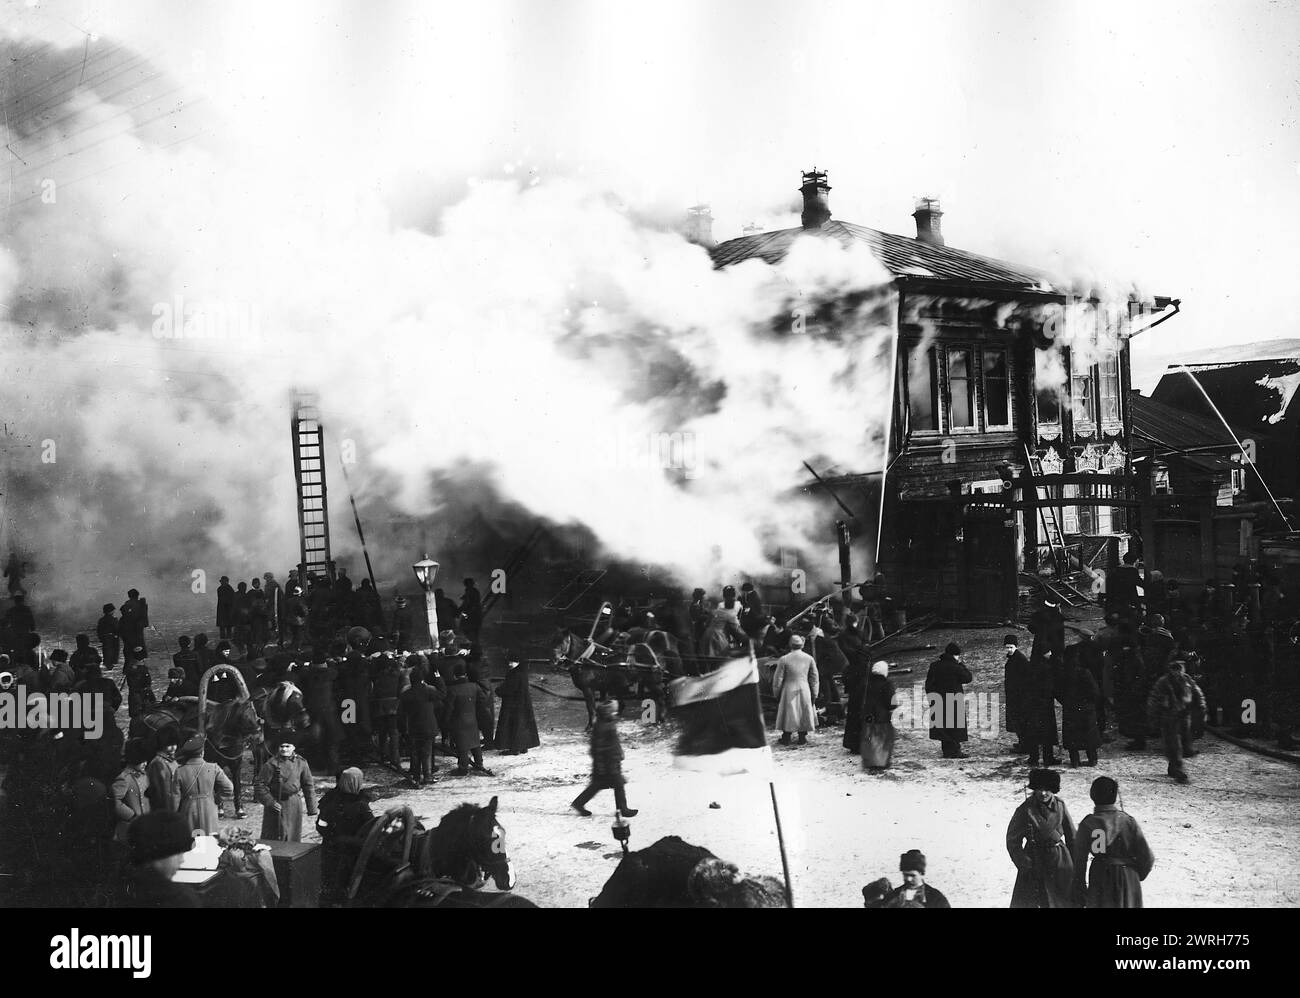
{"x": 1047, "y": 516}
{"x": 309, "y": 478}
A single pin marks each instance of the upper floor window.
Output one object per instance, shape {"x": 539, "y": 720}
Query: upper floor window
{"x": 997, "y": 390}
{"x": 961, "y": 389}
{"x": 923, "y": 390}
{"x": 1081, "y": 397}
{"x": 1108, "y": 385}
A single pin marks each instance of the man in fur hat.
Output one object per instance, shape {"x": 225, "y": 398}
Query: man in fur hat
{"x": 914, "y": 892}
{"x": 1121, "y": 858}
{"x": 282, "y": 787}
{"x": 157, "y": 842}
{"x": 1039, "y": 839}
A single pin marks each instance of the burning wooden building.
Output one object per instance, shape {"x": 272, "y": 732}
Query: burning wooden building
{"x": 1009, "y": 440}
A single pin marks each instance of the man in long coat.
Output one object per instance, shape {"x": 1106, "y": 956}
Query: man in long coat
{"x": 946, "y": 681}
{"x": 1038, "y": 721}
{"x": 795, "y": 683}
{"x": 420, "y": 705}
{"x": 283, "y": 785}
{"x": 1040, "y": 838}
{"x": 1015, "y": 686}
{"x": 199, "y": 788}
{"x": 466, "y": 710}
{"x": 1121, "y": 857}
{"x": 135, "y": 618}
{"x": 225, "y": 608}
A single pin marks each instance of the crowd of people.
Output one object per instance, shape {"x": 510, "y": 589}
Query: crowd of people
{"x": 327, "y": 688}
{"x": 339, "y": 687}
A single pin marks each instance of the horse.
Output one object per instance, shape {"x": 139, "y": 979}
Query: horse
{"x": 638, "y": 676}
{"x": 401, "y": 865}
{"x": 228, "y": 728}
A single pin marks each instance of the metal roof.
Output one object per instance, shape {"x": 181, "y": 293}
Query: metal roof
{"x": 1176, "y": 429}
{"x": 902, "y": 256}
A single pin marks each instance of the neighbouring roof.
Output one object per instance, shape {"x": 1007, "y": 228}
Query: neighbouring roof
{"x": 1243, "y": 352}
{"x": 902, "y": 256}
{"x": 1252, "y": 392}
{"x": 1175, "y": 429}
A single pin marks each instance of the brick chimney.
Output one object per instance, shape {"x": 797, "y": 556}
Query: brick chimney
{"x": 699, "y": 226}
{"x": 816, "y": 206}
{"x": 928, "y": 215}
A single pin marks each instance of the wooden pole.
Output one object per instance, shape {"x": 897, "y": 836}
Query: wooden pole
{"x": 780, "y": 839}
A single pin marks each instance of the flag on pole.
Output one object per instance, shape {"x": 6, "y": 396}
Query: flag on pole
{"x": 721, "y": 721}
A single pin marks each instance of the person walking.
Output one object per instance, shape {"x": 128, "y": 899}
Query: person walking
{"x": 1040, "y": 838}
{"x": 795, "y": 682}
{"x": 1173, "y": 699}
{"x": 606, "y": 762}
{"x": 420, "y": 705}
{"x": 945, "y": 686}
{"x": 1121, "y": 857}
{"x": 199, "y": 787}
{"x": 516, "y": 724}
{"x": 283, "y": 785}
{"x": 877, "y": 711}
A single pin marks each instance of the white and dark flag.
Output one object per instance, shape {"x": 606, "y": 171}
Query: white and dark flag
{"x": 721, "y": 721}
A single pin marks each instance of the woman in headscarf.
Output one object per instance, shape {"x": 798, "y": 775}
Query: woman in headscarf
{"x": 1040, "y": 838}
{"x": 516, "y": 724}
{"x": 343, "y": 812}
{"x": 876, "y": 711}
{"x": 795, "y": 682}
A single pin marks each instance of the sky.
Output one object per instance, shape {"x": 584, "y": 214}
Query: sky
{"x": 1153, "y": 142}
{"x": 364, "y": 171}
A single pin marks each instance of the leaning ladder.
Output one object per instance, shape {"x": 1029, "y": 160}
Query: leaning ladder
{"x": 1047, "y": 516}
{"x": 309, "y": 477}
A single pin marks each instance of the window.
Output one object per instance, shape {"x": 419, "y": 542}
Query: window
{"x": 1081, "y": 399}
{"x": 1160, "y": 481}
{"x": 997, "y": 390}
{"x": 1070, "y": 514}
{"x": 961, "y": 390}
{"x": 1049, "y": 407}
{"x": 922, "y": 390}
{"x": 1108, "y": 383}
{"x": 1238, "y": 481}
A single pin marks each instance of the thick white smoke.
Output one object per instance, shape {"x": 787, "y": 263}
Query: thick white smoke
{"x": 595, "y": 368}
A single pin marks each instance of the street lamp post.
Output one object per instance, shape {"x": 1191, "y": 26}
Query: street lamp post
{"x": 425, "y": 571}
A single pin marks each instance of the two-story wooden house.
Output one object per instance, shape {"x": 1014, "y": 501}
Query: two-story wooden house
{"x": 1000, "y": 369}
